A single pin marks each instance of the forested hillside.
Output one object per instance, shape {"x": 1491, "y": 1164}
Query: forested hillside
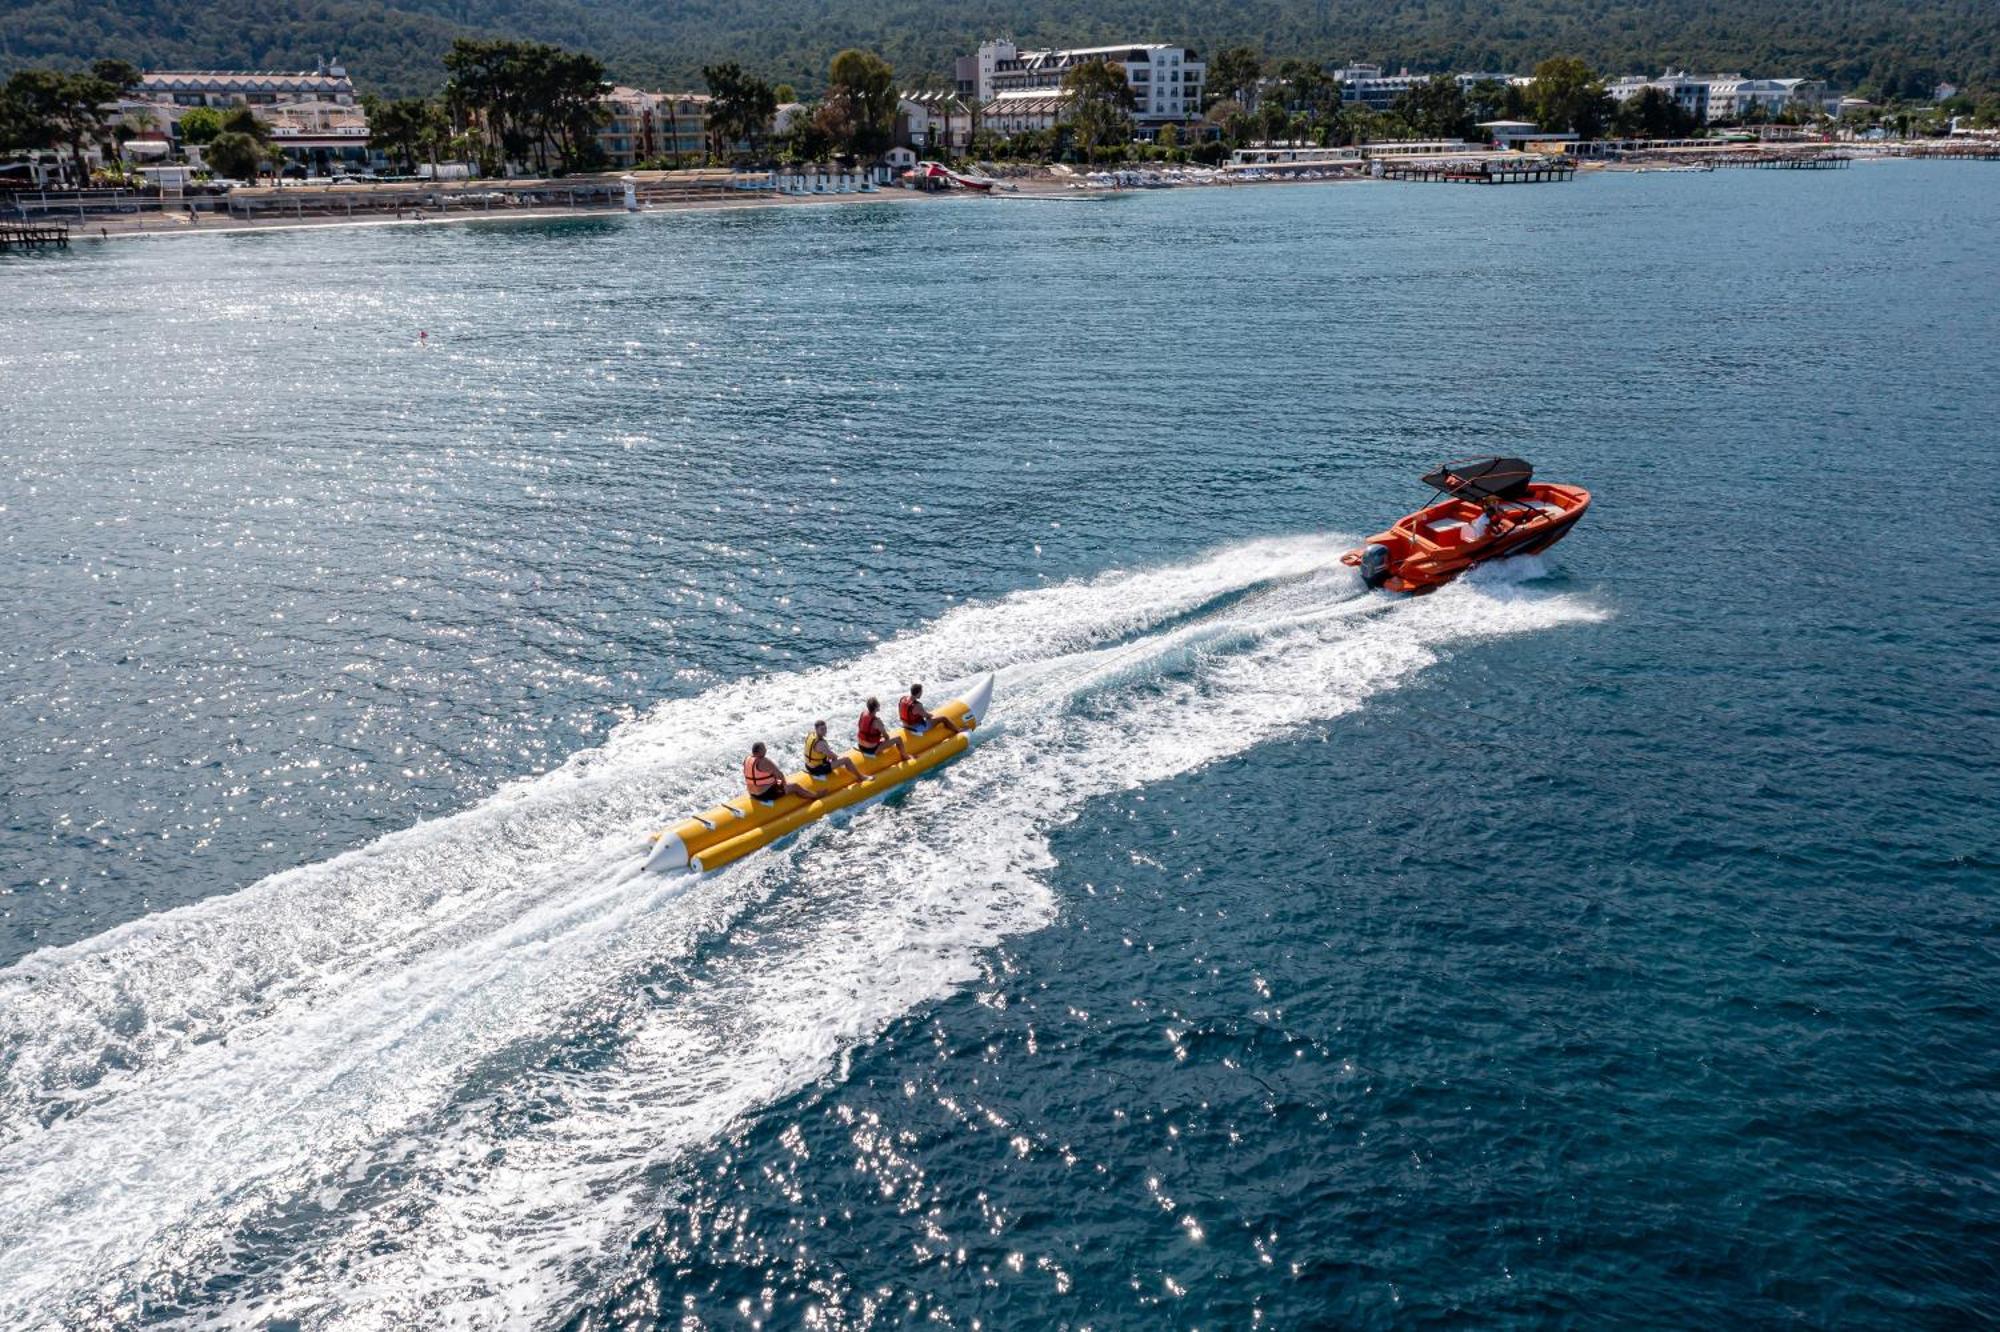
{"x": 1884, "y": 46}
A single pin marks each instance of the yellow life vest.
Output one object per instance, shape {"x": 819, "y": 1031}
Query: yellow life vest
{"x": 818, "y": 752}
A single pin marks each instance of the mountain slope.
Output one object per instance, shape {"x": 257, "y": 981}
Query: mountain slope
{"x": 393, "y": 47}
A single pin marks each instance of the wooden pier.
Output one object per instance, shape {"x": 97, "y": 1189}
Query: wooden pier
{"x": 1972, "y": 150}
{"x": 33, "y": 236}
{"x": 1784, "y": 162}
{"x": 1540, "y": 172}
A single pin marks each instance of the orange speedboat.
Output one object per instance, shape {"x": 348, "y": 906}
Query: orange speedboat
{"x": 1495, "y": 509}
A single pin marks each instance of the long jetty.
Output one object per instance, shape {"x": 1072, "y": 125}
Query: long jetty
{"x": 1491, "y": 172}
{"x": 1787, "y": 162}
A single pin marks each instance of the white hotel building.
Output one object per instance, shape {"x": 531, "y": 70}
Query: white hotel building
{"x": 1367, "y": 85}
{"x": 1019, "y": 89}
{"x": 1709, "y": 97}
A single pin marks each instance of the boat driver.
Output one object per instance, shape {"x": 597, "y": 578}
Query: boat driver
{"x": 766, "y": 783}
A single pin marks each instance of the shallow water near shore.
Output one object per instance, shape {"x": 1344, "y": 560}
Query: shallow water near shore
{"x": 1608, "y": 937}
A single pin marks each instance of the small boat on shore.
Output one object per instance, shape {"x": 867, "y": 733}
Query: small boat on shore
{"x": 735, "y": 828}
{"x": 1495, "y": 510}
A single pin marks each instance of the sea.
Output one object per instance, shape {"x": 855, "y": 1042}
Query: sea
{"x": 1608, "y": 939}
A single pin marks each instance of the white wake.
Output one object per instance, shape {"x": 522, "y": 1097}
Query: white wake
{"x": 436, "y": 1081}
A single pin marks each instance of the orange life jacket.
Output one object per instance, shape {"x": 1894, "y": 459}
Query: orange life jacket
{"x": 911, "y": 711}
{"x": 757, "y": 778}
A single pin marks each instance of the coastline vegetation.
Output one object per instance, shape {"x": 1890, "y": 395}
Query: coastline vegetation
{"x": 504, "y": 104}
{"x": 1885, "y": 50}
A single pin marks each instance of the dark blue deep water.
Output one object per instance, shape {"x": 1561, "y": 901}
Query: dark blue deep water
{"x": 1606, "y": 940}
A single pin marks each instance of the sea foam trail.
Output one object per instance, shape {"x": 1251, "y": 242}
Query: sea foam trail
{"x": 363, "y": 1064}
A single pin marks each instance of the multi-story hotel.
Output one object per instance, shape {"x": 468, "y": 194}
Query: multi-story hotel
{"x": 1709, "y": 97}
{"x": 1166, "y": 81}
{"x": 224, "y": 88}
{"x": 1367, "y": 85}
{"x": 644, "y": 125}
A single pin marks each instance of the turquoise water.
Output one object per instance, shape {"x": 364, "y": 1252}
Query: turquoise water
{"x": 1609, "y": 938}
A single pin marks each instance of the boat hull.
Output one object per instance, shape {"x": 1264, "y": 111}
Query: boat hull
{"x": 738, "y": 827}
{"x": 1434, "y": 545}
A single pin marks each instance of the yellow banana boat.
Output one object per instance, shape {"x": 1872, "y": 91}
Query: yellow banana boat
{"x": 735, "y": 828}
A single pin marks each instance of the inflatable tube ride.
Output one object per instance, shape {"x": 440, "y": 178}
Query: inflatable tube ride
{"x": 735, "y": 828}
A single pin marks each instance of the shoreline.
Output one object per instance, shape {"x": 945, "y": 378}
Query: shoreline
{"x": 170, "y": 224}
{"x": 1043, "y": 189}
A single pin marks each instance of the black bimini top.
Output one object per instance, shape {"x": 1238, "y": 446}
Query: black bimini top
{"x": 1483, "y": 478}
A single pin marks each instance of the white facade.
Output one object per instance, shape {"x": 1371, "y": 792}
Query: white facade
{"x": 1518, "y": 134}
{"x": 1709, "y": 97}
{"x": 1022, "y": 112}
{"x": 642, "y": 125}
{"x": 221, "y": 87}
{"x": 931, "y": 121}
{"x": 1166, "y": 80}
{"x": 1731, "y": 96}
{"x": 1367, "y": 85}
{"x": 313, "y": 119}
{"x": 1689, "y": 92}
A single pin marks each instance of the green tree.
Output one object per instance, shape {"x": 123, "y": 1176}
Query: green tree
{"x": 1100, "y": 106}
{"x": 1435, "y": 109}
{"x": 866, "y": 86}
{"x": 53, "y": 109}
{"x": 234, "y": 154}
{"x": 1233, "y": 76}
{"x": 526, "y": 100}
{"x": 120, "y": 75}
{"x": 407, "y": 128}
{"x": 200, "y": 124}
{"x": 1230, "y": 120}
{"x": 740, "y": 108}
{"x": 242, "y": 120}
{"x": 1567, "y": 96}
{"x": 1495, "y": 99}
{"x": 1308, "y": 94}
{"x": 805, "y": 138}
{"x": 1273, "y": 121}
{"x": 1653, "y": 114}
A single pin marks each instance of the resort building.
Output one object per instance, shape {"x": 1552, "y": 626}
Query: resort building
{"x": 313, "y": 119}
{"x": 1367, "y": 85}
{"x": 225, "y": 88}
{"x": 1709, "y": 97}
{"x": 1732, "y": 97}
{"x": 933, "y": 122}
{"x": 1166, "y": 80}
{"x": 1022, "y": 112}
{"x": 645, "y": 126}
{"x": 324, "y": 137}
{"x": 1521, "y": 135}
{"x": 1687, "y": 92}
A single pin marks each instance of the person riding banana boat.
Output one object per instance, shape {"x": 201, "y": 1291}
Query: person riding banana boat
{"x": 916, "y": 718}
{"x": 871, "y": 737}
{"x": 820, "y": 758}
{"x": 776, "y": 805}
{"x": 765, "y": 781}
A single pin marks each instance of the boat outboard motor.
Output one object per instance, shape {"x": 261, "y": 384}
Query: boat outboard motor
{"x": 1374, "y": 565}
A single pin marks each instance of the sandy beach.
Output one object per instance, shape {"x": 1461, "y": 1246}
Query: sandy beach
{"x": 154, "y": 224}
{"x": 1047, "y": 188}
